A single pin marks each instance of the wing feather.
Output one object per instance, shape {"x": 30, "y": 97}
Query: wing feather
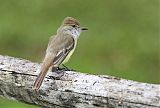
{"x": 62, "y": 47}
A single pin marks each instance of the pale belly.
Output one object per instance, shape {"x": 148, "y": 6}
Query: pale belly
{"x": 70, "y": 54}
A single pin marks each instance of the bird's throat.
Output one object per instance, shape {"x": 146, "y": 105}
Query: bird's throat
{"x": 75, "y": 33}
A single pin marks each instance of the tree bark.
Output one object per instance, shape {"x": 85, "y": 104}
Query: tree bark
{"x": 69, "y": 89}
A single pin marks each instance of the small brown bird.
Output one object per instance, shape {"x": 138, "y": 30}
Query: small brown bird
{"x": 60, "y": 48}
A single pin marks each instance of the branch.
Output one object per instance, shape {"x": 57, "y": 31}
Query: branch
{"x": 72, "y": 89}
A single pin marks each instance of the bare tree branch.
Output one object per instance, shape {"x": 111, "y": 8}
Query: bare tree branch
{"x": 72, "y": 89}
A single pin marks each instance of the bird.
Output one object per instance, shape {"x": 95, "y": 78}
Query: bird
{"x": 60, "y": 48}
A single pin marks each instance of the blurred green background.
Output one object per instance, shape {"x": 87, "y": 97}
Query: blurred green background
{"x": 122, "y": 39}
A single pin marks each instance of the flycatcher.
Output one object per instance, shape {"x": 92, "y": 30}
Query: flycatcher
{"x": 60, "y": 47}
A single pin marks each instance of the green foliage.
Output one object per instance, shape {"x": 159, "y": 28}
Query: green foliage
{"x": 122, "y": 39}
{"x": 14, "y": 104}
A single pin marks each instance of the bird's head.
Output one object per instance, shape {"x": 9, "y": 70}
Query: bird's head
{"x": 71, "y": 26}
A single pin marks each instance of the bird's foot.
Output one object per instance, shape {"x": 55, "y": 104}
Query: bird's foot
{"x": 55, "y": 69}
{"x": 57, "y": 72}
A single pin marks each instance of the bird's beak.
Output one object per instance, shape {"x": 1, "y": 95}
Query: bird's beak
{"x": 84, "y": 28}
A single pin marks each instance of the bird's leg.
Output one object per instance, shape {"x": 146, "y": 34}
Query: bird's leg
{"x": 66, "y": 68}
{"x": 58, "y": 69}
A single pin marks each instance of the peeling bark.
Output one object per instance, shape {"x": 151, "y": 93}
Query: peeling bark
{"x": 72, "y": 89}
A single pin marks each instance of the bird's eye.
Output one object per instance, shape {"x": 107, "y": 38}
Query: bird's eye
{"x": 74, "y": 26}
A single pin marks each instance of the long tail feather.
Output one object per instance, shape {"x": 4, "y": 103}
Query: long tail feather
{"x": 43, "y": 71}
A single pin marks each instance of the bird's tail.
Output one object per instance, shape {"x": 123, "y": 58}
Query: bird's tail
{"x": 43, "y": 71}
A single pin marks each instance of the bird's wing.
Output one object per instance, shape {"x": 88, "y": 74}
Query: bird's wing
{"x": 64, "y": 44}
